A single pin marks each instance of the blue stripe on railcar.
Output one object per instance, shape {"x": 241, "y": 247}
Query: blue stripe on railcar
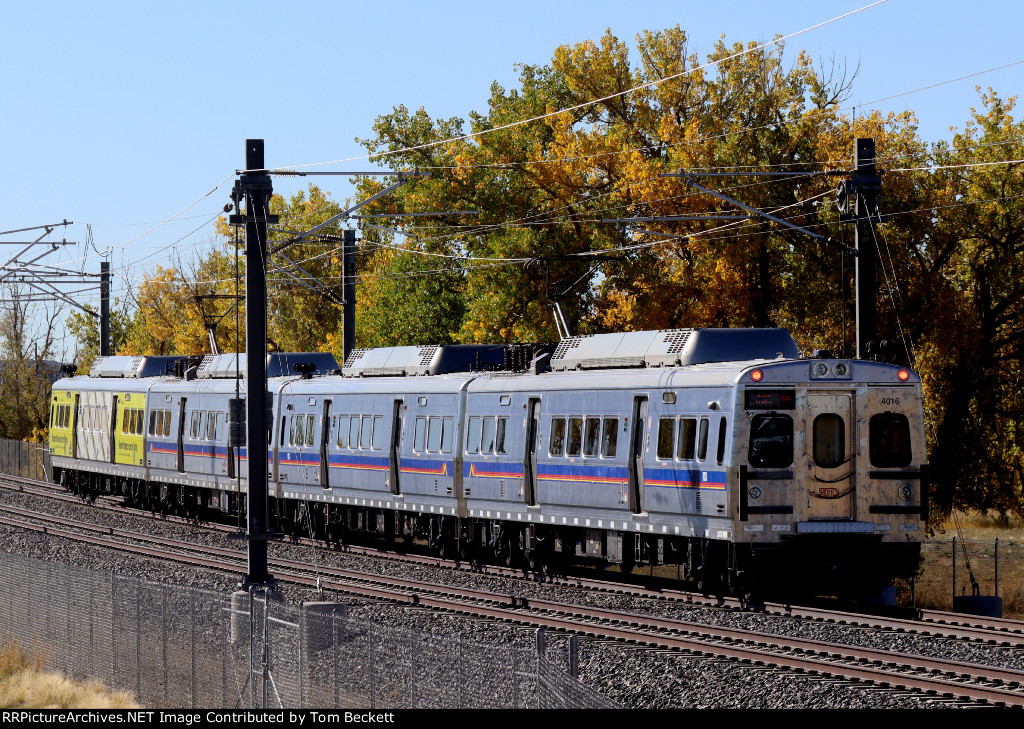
{"x": 492, "y": 469}
{"x": 426, "y": 467}
{"x": 672, "y": 478}
{"x": 616, "y": 475}
{"x": 359, "y": 463}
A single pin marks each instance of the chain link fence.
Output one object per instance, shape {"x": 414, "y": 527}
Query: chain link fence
{"x": 184, "y": 647}
{"x": 20, "y": 458}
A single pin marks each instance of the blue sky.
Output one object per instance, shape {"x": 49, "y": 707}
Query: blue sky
{"x": 121, "y": 114}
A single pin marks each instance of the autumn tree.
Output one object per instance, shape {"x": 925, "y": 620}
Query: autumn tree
{"x": 27, "y": 335}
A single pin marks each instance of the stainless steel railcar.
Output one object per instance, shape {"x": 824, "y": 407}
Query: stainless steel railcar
{"x": 720, "y": 450}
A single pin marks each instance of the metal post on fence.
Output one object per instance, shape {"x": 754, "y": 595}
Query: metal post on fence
{"x": 412, "y": 668}
{"x": 192, "y": 639}
{"x": 997, "y": 568}
{"x": 373, "y": 665}
{"x": 225, "y": 629}
{"x": 92, "y": 623}
{"x": 303, "y": 632}
{"x": 252, "y": 650}
{"x": 334, "y": 645}
{"x": 462, "y": 694}
{"x": 68, "y": 658}
{"x": 113, "y": 633}
{"x": 954, "y": 568}
{"x": 163, "y": 636}
{"x": 138, "y": 643}
{"x": 515, "y": 679}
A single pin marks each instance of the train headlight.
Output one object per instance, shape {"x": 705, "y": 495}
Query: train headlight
{"x": 820, "y": 369}
{"x": 755, "y": 493}
{"x": 903, "y": 375}
{"x": 905, "y": 492}
{"x": 840, "y": 369}
{"x": 757, "y": 375}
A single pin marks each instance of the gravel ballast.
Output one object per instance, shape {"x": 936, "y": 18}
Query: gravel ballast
{"x": 632, "y": 676}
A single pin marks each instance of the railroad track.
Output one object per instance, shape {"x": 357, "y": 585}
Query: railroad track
{"x": 915, "y": 621}
{"x": 934, "y": 677}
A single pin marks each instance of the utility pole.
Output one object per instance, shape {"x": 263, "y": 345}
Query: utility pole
{"x": 105, "y": 308}
{"x": 858, "y": 202}
{"x": 256, "y": 186}
{"x": 349, "y": 294}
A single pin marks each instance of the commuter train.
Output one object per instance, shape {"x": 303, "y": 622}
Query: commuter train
{"x": 722, "y": 451}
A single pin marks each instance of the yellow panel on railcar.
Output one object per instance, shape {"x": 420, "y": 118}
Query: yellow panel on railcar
{"x": 63, "y": 407}
{"x": 129, "y": 441}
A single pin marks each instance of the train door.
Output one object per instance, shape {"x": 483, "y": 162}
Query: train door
{"x": 181, "y": 435}
{"x": 530, "y": 459}
{"x": 395, "y": 450}
{"x": 113, "y": 428}
{"x": 325, "y": 442}
{"x": 74, "y": 426}
{"x": 829, "y": 442}
{"x": 636, "y": 455}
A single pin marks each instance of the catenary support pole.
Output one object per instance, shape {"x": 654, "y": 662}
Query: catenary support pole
{"x": 349, "y": 294}
{"x": 865, "y": 185}
{"x": 104, "y": 308}
{"x": 257, "y": 188}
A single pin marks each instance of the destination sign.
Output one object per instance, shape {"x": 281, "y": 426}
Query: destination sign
{"x": 770, "y": 399}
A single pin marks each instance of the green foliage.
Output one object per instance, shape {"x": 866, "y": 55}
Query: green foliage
{"x": 85, "y": 328}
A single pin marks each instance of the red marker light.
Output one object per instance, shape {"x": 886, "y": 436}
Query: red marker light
{"x": 757, "y": 375}
{"x": 903, "y": 375}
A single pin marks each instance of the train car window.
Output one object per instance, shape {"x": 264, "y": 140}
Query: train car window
{"x": 610, "y": 437}
{"x": 499, "y": 439}
{"x": 687, "y": 439}
{"x": 771, "y": 441}
{"x": 167, "y": 422}
{"x": 721, "y": 441}
{"x": 593, "y": 436}
{"x": 575, "y": 444}
{"x": 473, "y": 436}
{"x": 666, "y": 437}
{"x": 378, "y": 432}
{"x": 702, "y": 441}
{"x": 829, "y": 440}
{"x": 353, "y": 432}
{"x": 53, "y": 416}
{"x": 298, "y": 422}
{"x": 195, "y": 423}
{"x": 433, "y": 435}
{"x": 419, "y": 442}
{"x": 343, "y": 431}
{"x": 211, "y": 426}
{"x": 282, "y": 429}
{"x": 153, "y": 414}
{"x": 124, "y": 422}
{"x": 890, "y": 440}
{"x": 447, "y": 434}
{"x": 218, "y": 429}
{"x": 487, "y": 438}
{"x": 366, "y": 434}
{"x": 557, "y": 437}
{"x": 310, "y": 425}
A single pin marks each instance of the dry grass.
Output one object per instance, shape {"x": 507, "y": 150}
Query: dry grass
{"x": 25, "y": 685}
{"x": 978, "y": 533}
